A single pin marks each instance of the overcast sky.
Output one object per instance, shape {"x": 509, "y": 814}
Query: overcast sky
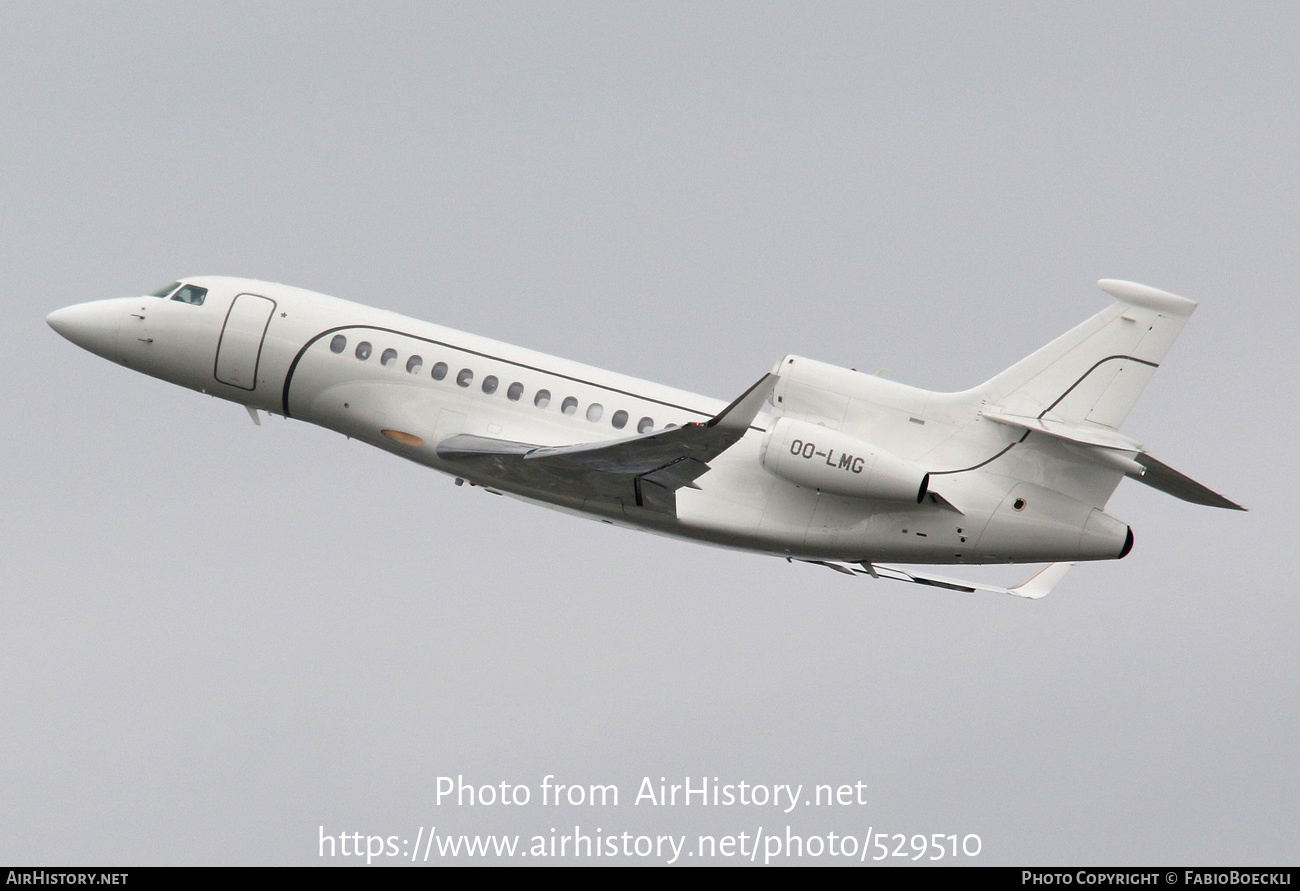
{"x": 216, "y": 638}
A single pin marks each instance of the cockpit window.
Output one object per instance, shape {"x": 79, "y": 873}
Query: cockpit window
{"x": 165, "y": 292}
{"x": 191, "y": 295}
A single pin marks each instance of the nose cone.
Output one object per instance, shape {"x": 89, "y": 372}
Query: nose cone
{"x": 91, "y": 326}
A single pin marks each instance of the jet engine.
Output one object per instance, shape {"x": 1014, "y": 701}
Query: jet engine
{"x": 817, "y": 457}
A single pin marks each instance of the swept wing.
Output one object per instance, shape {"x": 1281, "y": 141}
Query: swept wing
{"x": 645, "y": 470}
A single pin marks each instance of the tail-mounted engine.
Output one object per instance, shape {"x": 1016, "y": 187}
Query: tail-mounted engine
{"x": 819, "y": 458}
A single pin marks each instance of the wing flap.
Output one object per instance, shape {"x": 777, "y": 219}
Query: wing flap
{"x": 678, "y": 474}
{"x": 1154, "y": 473}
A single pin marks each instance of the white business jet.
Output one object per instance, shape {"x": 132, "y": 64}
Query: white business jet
{"x": 813, "y": 462}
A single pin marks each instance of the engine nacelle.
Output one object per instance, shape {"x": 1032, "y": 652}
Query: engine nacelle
{"x": 819, "y": 458}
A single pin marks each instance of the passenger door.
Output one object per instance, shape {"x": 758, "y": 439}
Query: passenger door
{"x": 240, "y": 346}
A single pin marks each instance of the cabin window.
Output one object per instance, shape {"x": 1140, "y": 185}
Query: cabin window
{"x": 389, "y": 358}
{"x": 594, "y": 411}
{"x": 490, "y": 384}
{"x": 542, "y": 399}
{"x": 645, "y": 425}
{"x": 165, "y": 292}
{"x": 440, "y": 371}
{"x": 619, "y": 420}
{"x": 465, "y": 377}
{"x": 338, "y": 344}
{"x": 191, "y": 295}
{"x": 516, "y": 390}
{"x": 414, "y": 364}
{"x": 363, "y": 350}
{"x": 569, "y": 406}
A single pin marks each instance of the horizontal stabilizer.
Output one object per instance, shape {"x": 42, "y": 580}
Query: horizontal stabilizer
{"x": 1159, "y": 475}
{"x": 1147, "y": 469}
{"x": 1090, "y": 436}
{"x": 1036, "y": 586}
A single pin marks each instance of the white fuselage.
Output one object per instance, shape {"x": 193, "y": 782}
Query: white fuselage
{"x": 405, "y": 385}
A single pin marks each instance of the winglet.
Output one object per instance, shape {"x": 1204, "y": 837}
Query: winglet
{"x": 741, "y": 413}
{"x": 1036, "y": 586}
{"x": 1041, "y": 583}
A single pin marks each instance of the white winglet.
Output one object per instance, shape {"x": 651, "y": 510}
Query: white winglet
{"x": 1036, "y": 586}
{"x": 1042, "y": 582}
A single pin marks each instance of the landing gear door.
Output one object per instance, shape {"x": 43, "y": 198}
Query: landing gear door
{"x": 240, "y": 346}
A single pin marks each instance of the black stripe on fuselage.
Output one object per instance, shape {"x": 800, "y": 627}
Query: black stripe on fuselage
{"x": 288, "y": 378}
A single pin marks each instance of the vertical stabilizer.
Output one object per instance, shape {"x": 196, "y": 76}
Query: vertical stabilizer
{"x": 1093, "y": 374}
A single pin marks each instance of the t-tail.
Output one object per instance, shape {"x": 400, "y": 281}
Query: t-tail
{"x": 1057, "y": 459}
{"x": 1080, "y": 387}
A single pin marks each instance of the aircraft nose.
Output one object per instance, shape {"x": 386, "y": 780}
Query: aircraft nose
{"x": 91, "y": 326}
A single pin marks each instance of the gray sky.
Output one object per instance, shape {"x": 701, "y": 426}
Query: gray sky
{"x": 215, "y": 638}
